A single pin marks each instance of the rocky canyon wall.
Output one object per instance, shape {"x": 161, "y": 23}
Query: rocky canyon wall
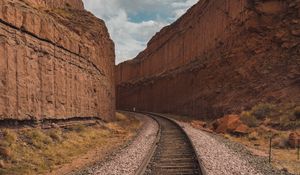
{"x": 55, "y": 4}
{"x": 220, "y": 57}
{"x": 56, "y": 61}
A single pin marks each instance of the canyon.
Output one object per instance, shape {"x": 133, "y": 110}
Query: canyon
{"x": 56, "y": 62}
{"x": 225, "y": 68}
{"x": 221, "y": 57}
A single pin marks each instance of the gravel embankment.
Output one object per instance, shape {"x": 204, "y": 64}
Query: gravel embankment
{"x": 223, "y": 157}
{"x": 128, "y": 160}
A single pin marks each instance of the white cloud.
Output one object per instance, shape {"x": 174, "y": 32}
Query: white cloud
{"x": 132, "y": 23}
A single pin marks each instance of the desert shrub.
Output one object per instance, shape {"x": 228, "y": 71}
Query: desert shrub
{"x": 249, "y": 119}
{"x": 280, "y": 142}
{"x": 262, "y": 110}
{"x": 9, "y": 136}
{"x": 78, "y": 128}
{"x": 37, "y": 138}
{"x": 297, "y": 112}
{"x": 56, "y": 135}
{"x": 6, "y": 143}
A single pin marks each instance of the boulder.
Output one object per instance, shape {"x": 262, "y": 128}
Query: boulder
{"x": 227, "y": 124}
{"x": 231, "y": 124}
{"x": 242, "y": 129}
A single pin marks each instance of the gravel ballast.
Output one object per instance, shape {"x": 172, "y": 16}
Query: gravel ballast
{"x": 223, "y": 157}
{"x": 127, "y": 160}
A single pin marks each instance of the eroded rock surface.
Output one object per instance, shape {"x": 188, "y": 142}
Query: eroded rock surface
{"x": 56, "y": 61}
{"x": 54, "y": 4}
{"x": 220, "y": 57}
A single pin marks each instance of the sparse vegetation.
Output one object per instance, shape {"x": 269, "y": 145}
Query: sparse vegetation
{"x": 280, "y": 141}
{"x": 262, "y": 110}
{"x": 282, "y": 117}
{"x": 297, "y": 113}
{"x": 249, "y": 119}
{"x": 278, "y": 121}
{"x": 37, "y": 151}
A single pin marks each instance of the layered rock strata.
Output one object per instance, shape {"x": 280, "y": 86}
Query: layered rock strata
{"x": 220, "y": 57}
{"x": 56, "y": 61}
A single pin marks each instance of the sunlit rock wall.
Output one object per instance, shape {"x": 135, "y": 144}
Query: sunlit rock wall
{"x": 56, "y": 62}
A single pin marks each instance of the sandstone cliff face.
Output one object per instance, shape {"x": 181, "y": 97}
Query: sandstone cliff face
{"x": 220, "y": 57}
{"x": 56, "y": 61}
{"x": 74, "y": 4}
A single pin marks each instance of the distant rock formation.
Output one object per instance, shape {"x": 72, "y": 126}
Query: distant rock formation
{"x": 220, "y": 57}
{"x": 56, "y": 61}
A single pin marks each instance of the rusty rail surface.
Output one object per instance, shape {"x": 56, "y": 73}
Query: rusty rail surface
{"x": 172, "y": 152}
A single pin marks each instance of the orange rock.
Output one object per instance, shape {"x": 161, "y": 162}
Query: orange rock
{"x": 227, "y": 124}
{"x": 231, "y": 124}
{"x": 294, "y": 139}
{"x": 242, "y": 129}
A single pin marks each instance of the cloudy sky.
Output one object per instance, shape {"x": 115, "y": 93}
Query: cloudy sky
{"x": 132, "y": 23}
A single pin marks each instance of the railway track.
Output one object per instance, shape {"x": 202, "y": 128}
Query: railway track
{"x": 173, "y": 152}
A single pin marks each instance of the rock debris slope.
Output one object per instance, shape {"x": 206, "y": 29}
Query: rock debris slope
{"x": 56, "y": 61}
{"x": 220, "y": 57}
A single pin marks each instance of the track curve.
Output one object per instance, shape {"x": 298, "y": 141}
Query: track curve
{"x": 173, "y": 152}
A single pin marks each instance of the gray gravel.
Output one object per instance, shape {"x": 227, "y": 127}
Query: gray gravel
{"x": 223, "y": 157}
{"x": 259, "y": 163}
{"x": 128, "y": 160}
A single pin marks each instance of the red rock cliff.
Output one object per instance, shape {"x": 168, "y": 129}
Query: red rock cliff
{"x": 220, "y": 57}
{"x": 75, "y": 4}
{"x": 56, "y": 61}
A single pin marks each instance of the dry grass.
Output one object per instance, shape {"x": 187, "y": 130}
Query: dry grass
{"x": 286, "y": 159}
{"x": 37, "y": 151}
{"x": 281, "y": 117}
{"x": 282, "y": 155}
{"x": 249, "y": 119}
{"x": 263, "y": 110}
{"x": 265, "y": 120}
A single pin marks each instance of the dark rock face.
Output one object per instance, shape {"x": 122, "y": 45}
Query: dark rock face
{"x": 220, "y": 57}
{"x": 56, "y": 61}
